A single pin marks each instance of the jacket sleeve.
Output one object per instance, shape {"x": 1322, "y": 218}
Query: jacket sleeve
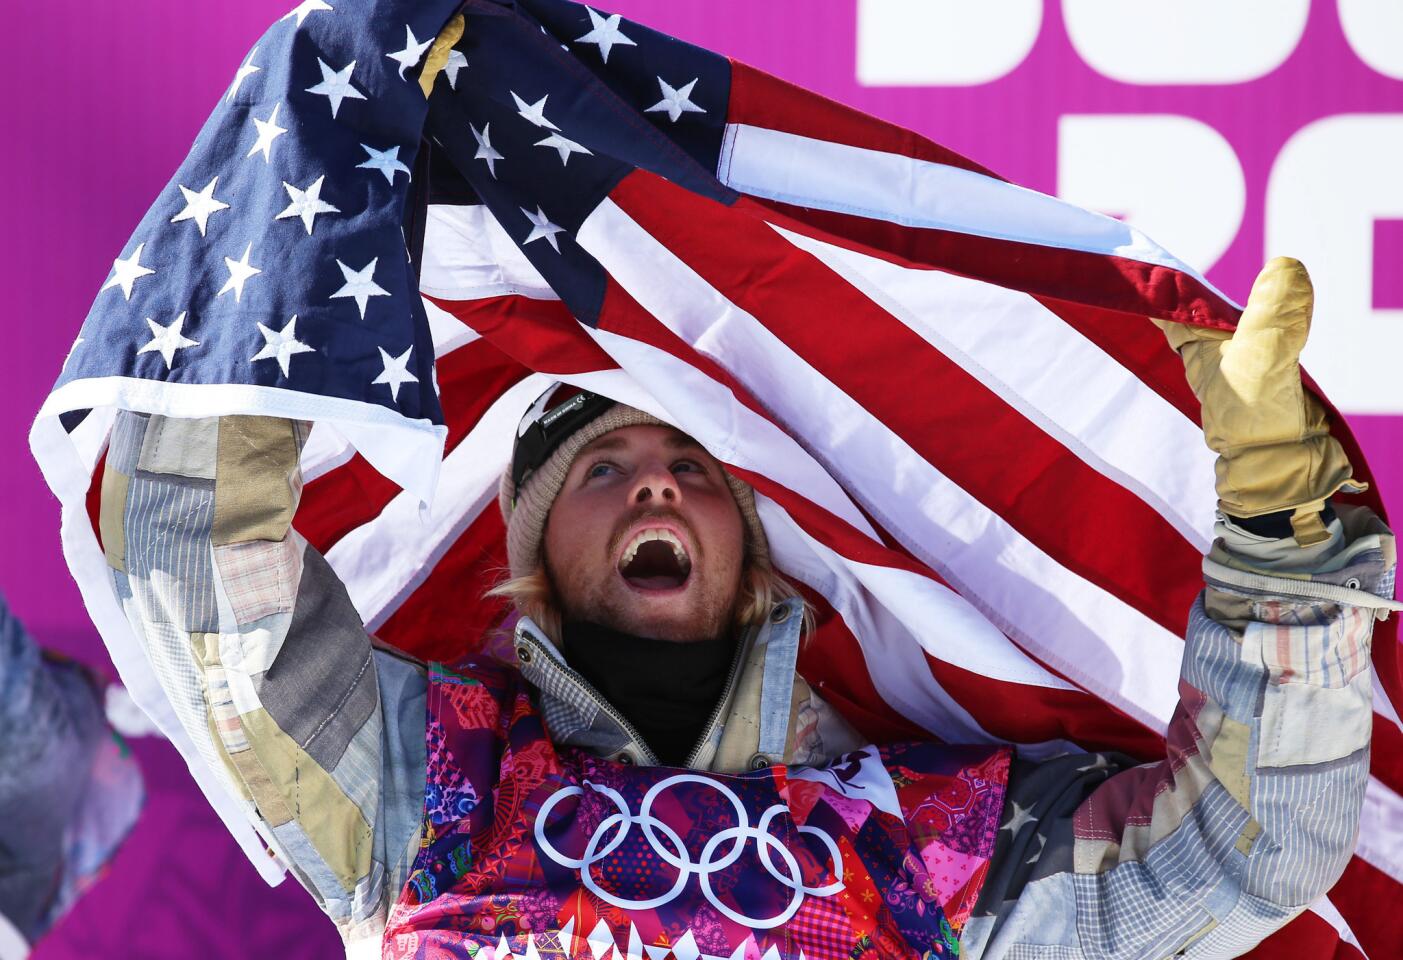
{"x": 1253, "y": 813}
{"x": 263, "y": 655}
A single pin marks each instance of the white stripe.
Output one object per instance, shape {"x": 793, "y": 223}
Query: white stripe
{"x": 1383, "y": 706}
{"x": 877, "y": 605}
{"x": 1053, "y": 375}
{"x": 468, "y": 256}
{"x": 405, "y": 450}
{"x": 1103, "y": 644}
{"x": 929, "y": 612}
{"x": 324, "y": 451}
{"x": 682, "y": 395}
{"x": 1381, "y": 829}
{"x": 1327, "y": 911}
{"x": 918, "y": 193}
{"x": 448, "y": 331}
{"x": 381, "y": 562}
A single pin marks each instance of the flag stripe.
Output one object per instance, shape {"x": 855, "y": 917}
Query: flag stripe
{"x": 475, "y": 562}
{"x": 763, "y": 100}
{"x": 383, "y": 560}
{"x": 1053, "y": 238}
{"x": 940, "y": 523}
{"x": 1017, "y": 348}
{"x": 1142, "y": 351}
{"x": 471, "y": 380}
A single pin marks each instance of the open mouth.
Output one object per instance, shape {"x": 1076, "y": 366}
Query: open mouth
{"x": 655, "y": 559}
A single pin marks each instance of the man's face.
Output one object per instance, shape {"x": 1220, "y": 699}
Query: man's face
{"x": 646, "y": 538}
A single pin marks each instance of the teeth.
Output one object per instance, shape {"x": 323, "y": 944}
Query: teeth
{"x": 656, "y": 533}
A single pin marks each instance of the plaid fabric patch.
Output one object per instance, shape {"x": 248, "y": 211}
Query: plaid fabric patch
{"x": 260, "y": 577}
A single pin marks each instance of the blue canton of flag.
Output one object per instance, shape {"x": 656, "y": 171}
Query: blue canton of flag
{"x": 275, "y": 264}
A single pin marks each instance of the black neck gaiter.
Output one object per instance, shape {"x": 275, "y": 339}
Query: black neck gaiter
{"x": 666, "y": 690}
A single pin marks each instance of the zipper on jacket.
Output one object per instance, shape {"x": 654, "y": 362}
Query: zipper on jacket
{"x": 597, "y": 699}
{"x": 629, "y": 729}
{"x": 742, "y": 651}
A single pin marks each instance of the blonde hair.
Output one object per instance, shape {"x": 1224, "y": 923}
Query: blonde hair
{"x": 762, "y": 587}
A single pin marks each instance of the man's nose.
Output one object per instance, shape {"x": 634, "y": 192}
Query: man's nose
{"x": 655, "y": 483}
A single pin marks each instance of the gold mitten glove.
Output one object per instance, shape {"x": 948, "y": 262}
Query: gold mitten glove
{"x": 1272, "y": 437}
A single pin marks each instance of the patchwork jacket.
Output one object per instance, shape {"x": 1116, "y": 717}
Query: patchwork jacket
{"x": 1249, "y": 818}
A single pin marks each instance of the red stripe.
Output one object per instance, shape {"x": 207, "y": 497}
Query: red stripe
{"x": 956, "y": 423}
{"x": 542, "y": 335}
{"x": 447, "y": 616}
{"x": 1386, "y": 757}
{"x": 1023, "y": 713}
{"x": 1054, "y": 277}
{"x": 470, "y": 380}
{"x": 761, "y": 100}
{"x": 1074, "y": 277}
{"x": 1309, "y": 935}
{"x": 94, "y": 498}
{"x": 1359, "y": 896}
{"x": 1137, "y": 345}
{"x": 996, "y": 705}
{"x": 832, "y": 662}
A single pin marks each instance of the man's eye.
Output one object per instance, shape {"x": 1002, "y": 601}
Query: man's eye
{"x": 687, "y": 466}
{"x": 598, "y": 470}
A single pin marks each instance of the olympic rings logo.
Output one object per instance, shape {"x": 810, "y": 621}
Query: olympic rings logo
{"x": 672, "y": 851}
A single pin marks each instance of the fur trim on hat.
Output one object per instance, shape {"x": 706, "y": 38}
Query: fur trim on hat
{"x": 526, "y": 522}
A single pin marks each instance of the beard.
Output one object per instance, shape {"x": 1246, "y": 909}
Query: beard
{"x": 703, "y": 611}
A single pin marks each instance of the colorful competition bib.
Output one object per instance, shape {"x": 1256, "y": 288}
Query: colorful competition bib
{"x": 534, "y": 851}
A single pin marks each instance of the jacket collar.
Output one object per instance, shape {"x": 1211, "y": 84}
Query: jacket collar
{"x": 577, "y": 714}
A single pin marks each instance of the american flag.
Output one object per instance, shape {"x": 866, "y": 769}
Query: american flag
{"x": 971, "y": 447}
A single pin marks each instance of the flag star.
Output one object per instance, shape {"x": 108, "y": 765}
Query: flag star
{"x": 412, "y": 53}
{"x": 535, "y": 112}
{"x": 360, "y": 285}
{"x": 126, "y": 272}
{"x": 306, "y": 203}
{"x": 239, "y": 272}
{"x": 676, "y": 101}
{"x": 396, "y": 372}
{"x": 1100, "y": 764}
{"x": 199, "y": 206}
{"x": 336, "y": 85}
{"x": 1019, "y": 817}
{"x": 268, "y": 131}
{"x": 541, "y": 228}
{"x": 167, "y": 340}
{"x": 564, "y": 146}
{"x": 306, "y": 8}
{"x": 485, "y": 150}
{"x": 281, "y": 345}
{"x": 605, "y": 33}
{"x": 1037, "y": 854}
{"x": 248, "y": 69}
{"x": 386, "y": 161}
{"x": 456, "y": 62}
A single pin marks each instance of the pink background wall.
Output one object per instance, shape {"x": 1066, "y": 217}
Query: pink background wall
{"x": 102, "y": 102}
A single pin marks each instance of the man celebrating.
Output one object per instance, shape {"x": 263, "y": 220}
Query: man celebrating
{"x": 972, "y": 448}
{"x": 656, "y": 631}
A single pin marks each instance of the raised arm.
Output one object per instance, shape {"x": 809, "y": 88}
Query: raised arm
{"x": 69, "y": 789}
{"x": 263, "y": 655}
{"x": 1253, "y": 814}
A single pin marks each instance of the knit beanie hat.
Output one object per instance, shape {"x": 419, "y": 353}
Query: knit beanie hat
{"x": 526, "y": 521}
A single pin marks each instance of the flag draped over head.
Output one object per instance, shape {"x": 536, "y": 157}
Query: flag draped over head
{"x": 970, "y": 446}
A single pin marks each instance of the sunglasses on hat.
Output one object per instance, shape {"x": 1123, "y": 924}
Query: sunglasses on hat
{"x": 555, "y": 416}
